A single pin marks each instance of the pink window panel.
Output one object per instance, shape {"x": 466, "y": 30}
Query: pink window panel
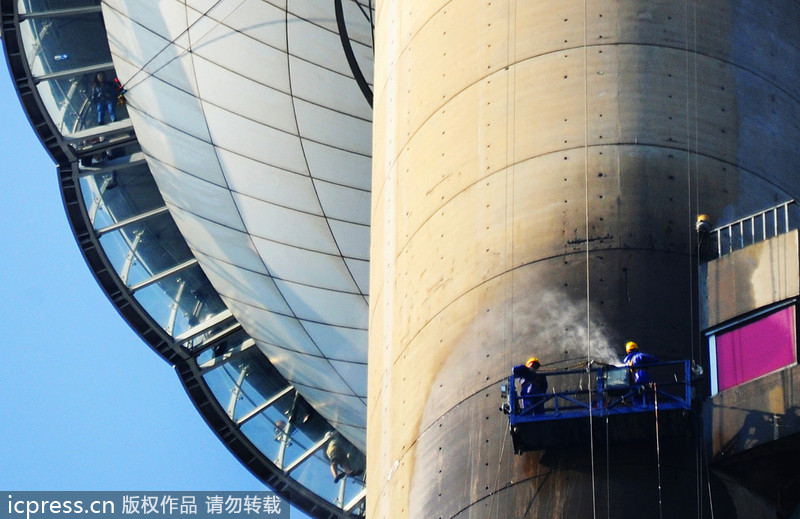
{"x": 756, "y": 348}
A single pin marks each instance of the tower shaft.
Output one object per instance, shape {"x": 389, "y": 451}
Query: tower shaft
{"x": 538, "y": 167}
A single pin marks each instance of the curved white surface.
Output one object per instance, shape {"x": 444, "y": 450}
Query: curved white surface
{"x": 260, "y": 141}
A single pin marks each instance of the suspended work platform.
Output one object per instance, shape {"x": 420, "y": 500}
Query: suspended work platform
{"x": 604, "y": 398}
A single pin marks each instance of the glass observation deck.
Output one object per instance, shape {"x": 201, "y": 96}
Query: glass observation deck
{"x": 604, "y": 394}
{"x": 66, "y": 53}
{"x": 57, "y": 49}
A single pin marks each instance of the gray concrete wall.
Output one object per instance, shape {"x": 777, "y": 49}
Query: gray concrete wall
{"x": 748, "y": 279}
{"x": 754, "y": 413}
{"x": 538, "y": 167}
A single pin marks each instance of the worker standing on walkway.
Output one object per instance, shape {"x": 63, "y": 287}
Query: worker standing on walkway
{"x": 636, "y": 360}
{"x": 533, "y": 383}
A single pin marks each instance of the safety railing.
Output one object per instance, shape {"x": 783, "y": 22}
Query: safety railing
{"x": 601, "y": 391}
{"x": 751, "y": 229}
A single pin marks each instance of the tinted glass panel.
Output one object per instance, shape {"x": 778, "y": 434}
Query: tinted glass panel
{"x": 220, "y": 334}
{"x": 756, "y": 348}
{"x": 145, "y": 248}
{"x": 69, "y": 102}
{"x": 28, "y": 6}
{"x": 181, "y": 300}
{"x": 223, "y": 345}
{"x": 315, "y": 474}
{"x": 118, "y": 194}
{"x": 63, "y": 43}
{"x": 271, "y": 432}
{"x": 251, "y": 378}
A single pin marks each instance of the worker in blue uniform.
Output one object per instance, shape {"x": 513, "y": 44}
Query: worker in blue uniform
{"x": 636, "y": 362}
{"x": 533, "y": 385}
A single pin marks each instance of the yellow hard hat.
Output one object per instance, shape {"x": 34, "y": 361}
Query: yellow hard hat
{"x": 531, "y": 361}
{"x": 703, "y": 225}
{"x": 630, "y": 345}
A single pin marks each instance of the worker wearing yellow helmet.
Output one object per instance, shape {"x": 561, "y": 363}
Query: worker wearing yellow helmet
{"x": 533, "y": 386}
{"x": 635, "y": 360}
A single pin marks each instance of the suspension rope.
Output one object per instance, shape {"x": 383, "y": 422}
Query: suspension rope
{"x": 586, "y": 230}
{"x": 183, "y": 51}
{"x": 658, "y": 450}
{"x": 708, "y": 483}
{"x": 608, "y": 473}
{"x": 694, "y": 255}
{"x": 508, "y": 229}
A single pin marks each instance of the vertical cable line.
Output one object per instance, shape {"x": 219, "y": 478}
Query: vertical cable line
{"x": 658, "y": 451}
{"x": 608, "y": 473}
{"x": 694, "y": 254}
{"x": 690, "y": 261}
{"x": 586, "y": 230}
{"x": 508, "y": 284}
{"x": 701, "y": 451}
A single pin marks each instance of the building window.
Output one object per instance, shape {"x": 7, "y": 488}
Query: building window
{"x": 752, "y": 349}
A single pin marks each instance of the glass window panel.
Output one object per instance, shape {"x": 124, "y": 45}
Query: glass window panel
{"x": 256, "y": 379}
{"x": 315, "y": 474}
{"x": 755, "y": 349}
{"x": 205, "y": 356}
{"x": 288, "y": 419}
{"x": 223, "y": 382}
{"x": 120, "y": 249}
{"x": 299, "y": 445}
{"x": 92, "y": 189}
{"x": 32, "y": 6}
{"x": 223, "y": 345}
{"x": 145, "y": 248}
{"x": 307, "y": 429}
{"x": 352, "y": 487}
{"x": 104, "y": 157}
{"x": 118, "y": 194}
{"x": 265, "y": 434}
{"x": 181, "y": 300}
{"x": 219, "y": 333}
{"x": 68, "y": 101}
{"x": 62, "y": 43}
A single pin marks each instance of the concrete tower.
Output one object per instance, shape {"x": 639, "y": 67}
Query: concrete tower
{"x": 538, "y": 166}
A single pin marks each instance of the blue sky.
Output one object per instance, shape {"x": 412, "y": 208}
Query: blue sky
{"x": 86, "y": 405}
